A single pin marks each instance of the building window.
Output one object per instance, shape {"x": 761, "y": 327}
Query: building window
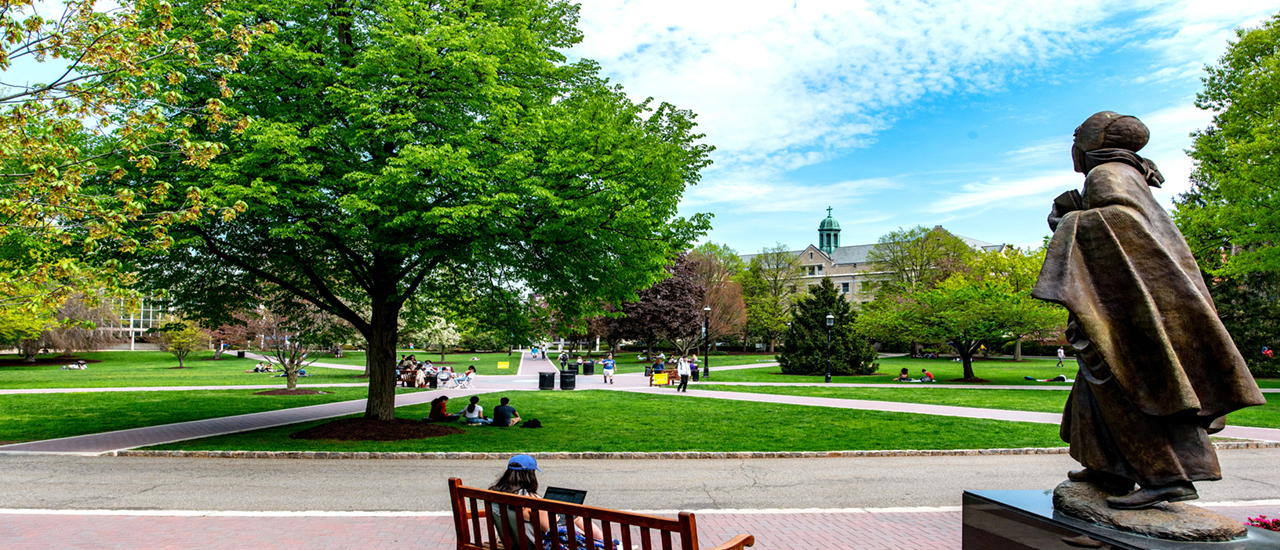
{"x": 844, "y": 287}
{"x": 810, "y": 255}
{"x": 819, "y": 270}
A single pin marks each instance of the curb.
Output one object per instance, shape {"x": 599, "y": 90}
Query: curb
{"x": 633, "y": 456}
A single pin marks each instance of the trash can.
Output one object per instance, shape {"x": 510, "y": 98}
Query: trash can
{"x": 568, "y": 380}
{"x": 695, "y": 374}
{"x": 573, "y": 368}
{"x": 588, "y": 369}
{"x": 240, "y": 354}
{"x": 648, "y": 370}
{"x": 433, "y": 382}
{"x": 546, "y": 380}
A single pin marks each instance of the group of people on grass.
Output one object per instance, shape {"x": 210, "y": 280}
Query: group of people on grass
{"x": 925, "y": 376}
{"x": 412, "y": 373}
{"x": 76, "y": 365}
{"x": 504, "y": 414}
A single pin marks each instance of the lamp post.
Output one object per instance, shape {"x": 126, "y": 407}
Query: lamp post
{"x": 706, "y": 325}
{"x": 831, "y": 321}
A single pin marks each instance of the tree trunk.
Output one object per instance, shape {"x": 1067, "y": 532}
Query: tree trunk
{"x": 291, "y": 377}
{"x": 1017, "y": 350}
{"x": 181, "y": 357}
{"x": 381, "y": 360}
{"x": 966, "y": 358}
{"x": 772, "y": 340}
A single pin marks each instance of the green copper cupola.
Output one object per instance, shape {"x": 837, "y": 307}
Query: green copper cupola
{"x": 829, "y": 234}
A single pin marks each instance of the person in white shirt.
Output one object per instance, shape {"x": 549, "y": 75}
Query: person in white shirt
{"x": 682, "y": 369}
{"x": 473, "y": 413}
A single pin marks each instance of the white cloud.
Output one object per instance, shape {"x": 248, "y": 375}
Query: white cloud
{"x": 773, "y": 82}
{"x": 749, "y": 197}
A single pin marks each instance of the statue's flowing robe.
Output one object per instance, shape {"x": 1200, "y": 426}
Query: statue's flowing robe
{"x": 1157, "y": 368}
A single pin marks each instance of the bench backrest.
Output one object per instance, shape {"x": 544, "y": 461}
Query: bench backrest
{"x": 471, "y": 505}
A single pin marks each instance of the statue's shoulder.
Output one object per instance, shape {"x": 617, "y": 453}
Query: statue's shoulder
{"x": 1114, "y": 171}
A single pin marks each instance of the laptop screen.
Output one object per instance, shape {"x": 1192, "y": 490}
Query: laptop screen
{"x": 561, "y": 494}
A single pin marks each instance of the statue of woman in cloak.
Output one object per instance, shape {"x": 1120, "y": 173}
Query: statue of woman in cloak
{"x": 1158, "y": 371}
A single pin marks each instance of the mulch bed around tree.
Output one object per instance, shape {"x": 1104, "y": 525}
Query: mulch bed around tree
{"x": 172, "y": 368}
{"x": 368, "y": 429}
{"x": 295, "y": 391}
{"x": 44, "y": 362}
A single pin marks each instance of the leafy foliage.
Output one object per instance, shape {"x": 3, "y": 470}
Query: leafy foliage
{"x": 182, "y": 337}
{"x": 715, "y": 268}
{"x": 965, "y": 313}
{"x": 115, "y": 105}
{"x": 398, "y": 141}
{"x": 919, "y": 258}
{"x": 768, "y": 289}
{"x": 807, "y": 351}
{"x": 1247, "y": 306}
{"x": 1231, "y": 215}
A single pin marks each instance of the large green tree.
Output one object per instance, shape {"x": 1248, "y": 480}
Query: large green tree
{"x": 1014, "y": 269}
{"x": 1231, "y": 215}
{"x": 395, "y": 140}
{"x": 918, "y": 258}
{"x": 808, "y": 351}
{"x": 964, "y": 313}
{"x": 769, "y": 289}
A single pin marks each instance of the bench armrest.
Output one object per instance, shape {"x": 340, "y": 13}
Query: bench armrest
{"x": 736, "y": 543}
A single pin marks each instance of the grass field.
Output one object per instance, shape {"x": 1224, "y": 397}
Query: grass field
{"x": 996, "y": 371}
{"x": 154, "y": 368}
{"x": 28, "y": 417}
{"x": 1266, "y": 416}
{"x": 603, "y": 421}
{"x": 487, "y": 365}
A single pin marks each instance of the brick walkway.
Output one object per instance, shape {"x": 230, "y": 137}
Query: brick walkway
{"x": 886, "y": 529}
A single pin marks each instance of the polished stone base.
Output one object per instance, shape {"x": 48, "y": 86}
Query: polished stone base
{"x": 1018, "y": 520}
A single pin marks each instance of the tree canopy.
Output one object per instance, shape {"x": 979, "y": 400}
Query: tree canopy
{"x": 807, "y": 351}
{"x": 919, "y": 258}
{"x": 1231, "y": 214}
{"x": 768, "y": 289}
{"x": 107, "y": 107}
{"x": 393, "y": 141}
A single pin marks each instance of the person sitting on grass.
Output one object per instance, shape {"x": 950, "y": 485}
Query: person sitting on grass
{"x": 520, "y": 479}
{"x": 440, "y": 411}
{"x": 504, "y": 415}
{"x": 474, "y": 413}
{"x": 926, "y": 376}
{"x": 903, "y": 377}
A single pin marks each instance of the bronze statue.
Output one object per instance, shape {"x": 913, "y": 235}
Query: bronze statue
{"x": 1158, "y": 371}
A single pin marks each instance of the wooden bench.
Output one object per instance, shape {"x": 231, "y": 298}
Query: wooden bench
{"x": 472, "y": 505}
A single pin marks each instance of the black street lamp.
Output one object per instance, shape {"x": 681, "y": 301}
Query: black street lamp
{"x": 831, "y": 321}
{"x": 706, "y": 324}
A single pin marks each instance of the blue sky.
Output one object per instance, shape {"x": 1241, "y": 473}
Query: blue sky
{"x": 904, "y": 113}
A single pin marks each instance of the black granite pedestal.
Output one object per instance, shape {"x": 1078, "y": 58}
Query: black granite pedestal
{"x": 1018, "y": 520}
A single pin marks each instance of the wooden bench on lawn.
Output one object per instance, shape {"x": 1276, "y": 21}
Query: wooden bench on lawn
{"x": 471, "y": 520}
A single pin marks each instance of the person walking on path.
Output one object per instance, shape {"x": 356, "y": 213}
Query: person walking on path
{"x": 1062, "y": 355}
{"x": 609, "y": 365}
{"x": 682, "y": 369}
{"x": 564, "y": 359}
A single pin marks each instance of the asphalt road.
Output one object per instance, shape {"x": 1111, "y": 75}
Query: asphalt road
{"x": 118, "y": 483}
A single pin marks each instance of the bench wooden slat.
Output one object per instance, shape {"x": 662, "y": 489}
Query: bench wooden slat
{"x": 519, "y": 535}
{"x": 557, "y": 507}
{"x": 666, "y": 540}
{"x": 688, "y": 531}
{"x": 572, "y": 531}
{"x": 477, "y": 534}
{"x": 493, "y": 531}
{"x": 646, "y": 539}
{"x": 626, "y": 536}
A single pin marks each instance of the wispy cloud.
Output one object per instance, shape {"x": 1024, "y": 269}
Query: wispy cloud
{"x": 747, "y": 197}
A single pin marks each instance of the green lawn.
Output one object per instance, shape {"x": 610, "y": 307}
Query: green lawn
{"x": 997, "y": 371}
{"x": 488, "y": 363}
{"x": 1266, "y": 416}
{"x": 155, "y": 368}
{"x": 51, "y": 415}
{"x": 603, "y": 421}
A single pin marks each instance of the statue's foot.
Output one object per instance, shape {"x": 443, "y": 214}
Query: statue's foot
{"x": 1111, "y": 482}
{"x": 1148, "y": 497}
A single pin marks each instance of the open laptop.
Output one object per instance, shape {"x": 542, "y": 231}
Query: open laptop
{"x": 573, "y": 496}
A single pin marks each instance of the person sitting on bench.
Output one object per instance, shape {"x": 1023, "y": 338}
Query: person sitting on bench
{"x": 520, "y": 479}
{"x": 505, "y": 415}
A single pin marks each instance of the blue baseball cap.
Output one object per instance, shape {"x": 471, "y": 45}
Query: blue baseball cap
{"x": 522, "y": 463}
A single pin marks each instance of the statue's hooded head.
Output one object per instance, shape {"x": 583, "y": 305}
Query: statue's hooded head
{"x": 1108, "y": 130}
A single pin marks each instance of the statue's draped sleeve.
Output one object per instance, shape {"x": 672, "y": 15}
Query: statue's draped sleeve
{"x": 1122, "y": 268}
